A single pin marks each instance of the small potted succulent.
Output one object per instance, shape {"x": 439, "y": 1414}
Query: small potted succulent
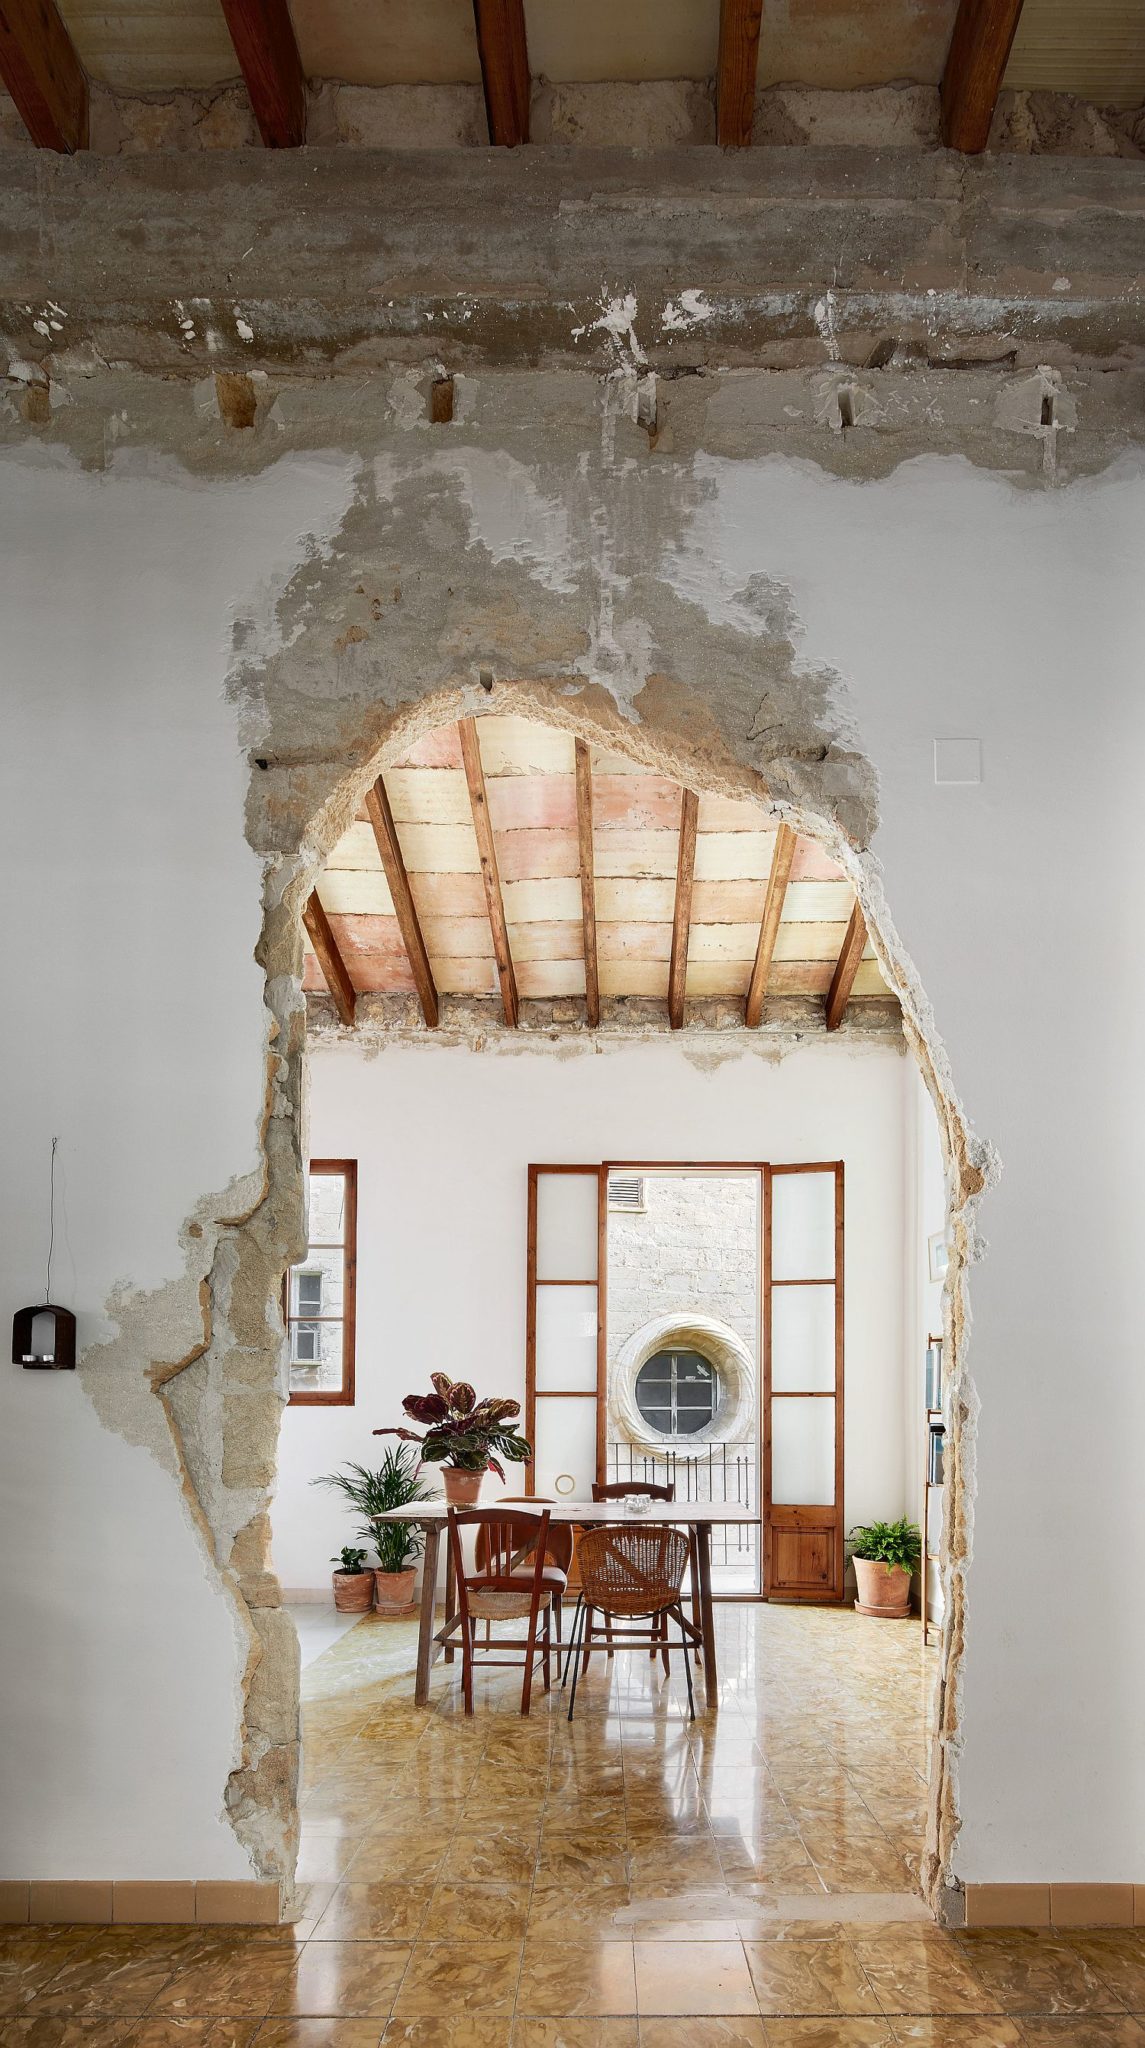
{"x": 353, "y": 1584}
{"x": 463, "y": 1435}
{"x": 396, "y": 1484}
{"x": 885, "y": 1555}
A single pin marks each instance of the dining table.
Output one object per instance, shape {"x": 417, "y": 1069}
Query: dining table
{"x": 699, "y": 1517}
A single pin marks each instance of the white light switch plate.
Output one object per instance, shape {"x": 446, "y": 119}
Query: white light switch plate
{"x": 957, "y": 761}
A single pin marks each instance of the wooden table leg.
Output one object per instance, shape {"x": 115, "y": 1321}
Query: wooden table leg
{"x": 428, "y": 1601}
{"x": 450, "y": 1598}
{"x": 707, "y": 1615}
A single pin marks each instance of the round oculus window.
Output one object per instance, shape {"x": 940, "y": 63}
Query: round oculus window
{"x": 677, "y": 1392}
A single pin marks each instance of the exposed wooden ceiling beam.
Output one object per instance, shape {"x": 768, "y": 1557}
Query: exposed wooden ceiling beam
{"x": 587, "y": 880}
{"x": 39, "y": 66}
{"x": 736, "y": 67}
{"x": 682, "y": 916}
{"x": 263, "y": 36}
{"x": 847, "y": 966}
{"x": 385, "y": 832}
{"x": 330, "y": 959}
{"x": 781, "y": 859}
{"x": 490, "y": 873}
{"x": 504, "y": 53}
{"x": 975, "y": 66}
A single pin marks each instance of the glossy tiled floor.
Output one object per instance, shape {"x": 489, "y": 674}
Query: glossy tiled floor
{"x": 634, "y": 1881}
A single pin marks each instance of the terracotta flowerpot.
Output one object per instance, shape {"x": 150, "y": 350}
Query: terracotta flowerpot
{"x": 461, "y": 1487}
{"x": 395, "y": 1591}
{"x": 884, "y": 1589}
{"x": 353, "y": 1592}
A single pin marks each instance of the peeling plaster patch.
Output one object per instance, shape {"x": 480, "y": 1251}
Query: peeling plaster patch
{"x": 691, "y": 309}
{"x": 509, "y": 515}
{"x": 825, "y": 316}
{"x": 617, "y": 320}
{"x": 243, "y": 328}
{"x": 407, "y": 400}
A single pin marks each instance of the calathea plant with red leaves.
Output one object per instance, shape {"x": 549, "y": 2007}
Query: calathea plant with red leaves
{"x": 461, "y": 1430}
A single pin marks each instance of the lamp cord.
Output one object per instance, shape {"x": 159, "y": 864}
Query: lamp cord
{"x": 51, "y": 1226}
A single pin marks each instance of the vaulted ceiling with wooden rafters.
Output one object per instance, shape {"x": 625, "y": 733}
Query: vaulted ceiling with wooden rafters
{"x": 504, "y": 859}
{"x": 53, "y": 51}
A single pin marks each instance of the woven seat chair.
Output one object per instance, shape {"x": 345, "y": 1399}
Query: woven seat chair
{"x": 558, "y": 1552}
{"x": 497, "y": 1589}
{"x": 630, "y": 1575}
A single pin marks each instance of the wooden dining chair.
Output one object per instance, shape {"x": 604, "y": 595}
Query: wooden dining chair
{"x": 628, "y": 1489}
{"x": 500, "y": 1589}
{"x": 558, "y": 1551}
{"x": 630, "y": 1575}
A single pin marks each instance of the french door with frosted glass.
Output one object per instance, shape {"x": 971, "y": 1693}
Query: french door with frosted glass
{"x": 564, "y": 1389}
{"x": 803, "y": 1382}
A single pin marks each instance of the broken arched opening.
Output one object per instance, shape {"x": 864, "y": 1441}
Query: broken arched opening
{"x": 397, "y": 1011}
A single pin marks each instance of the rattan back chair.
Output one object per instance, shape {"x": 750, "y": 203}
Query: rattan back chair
{"x": 498, "y": 1589}
{"x": 630, "y": 1575}
{"x": 631, "y": 1489}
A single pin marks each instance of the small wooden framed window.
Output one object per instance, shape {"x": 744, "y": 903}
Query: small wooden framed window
{"x": 319, "y": 1292}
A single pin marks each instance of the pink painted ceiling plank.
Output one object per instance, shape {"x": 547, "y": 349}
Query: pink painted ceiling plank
{"x": 728, "y": 902}
{"x": 519, "y": 802}
{"x": 537, "y": 855}
{"x": 813, "y": 864}
{"x": 457, "y": 938}
{"x": 448, "y": 895}
{"x": 633, "y": 941}
{"x": 639, "y": 803}
{"x": 538, "y": 979}
{"x": 438, "y": 749}
{"x": 465, "y": 977}
{"x": 560, "y": 941}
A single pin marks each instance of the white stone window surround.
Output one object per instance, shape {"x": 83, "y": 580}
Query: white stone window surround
{"x": 733, "y": 1363}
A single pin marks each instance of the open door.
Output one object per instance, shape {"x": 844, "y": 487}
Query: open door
{"x": 564, "y": 1343}
{"x": 803, "y": 1382}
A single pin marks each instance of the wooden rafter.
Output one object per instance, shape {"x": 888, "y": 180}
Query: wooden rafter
{"x": 682, "y": 915}
{"x": 385, "y": 832}
{"x": 975, "y": 66}
{"x": 263, "y": 36}
{"x": 847, "y": 966}
{"x": 781, "y": 859}
{"x": 504, "y": 53}
{"x": 736, "y": 67}
{"x": 490, "y": 873}
{"x": 39, "y": 66}
{"x": 587, "y": 880}
{"x": 330, "y": 959}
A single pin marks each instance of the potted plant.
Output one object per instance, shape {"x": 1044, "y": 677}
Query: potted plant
{"x": 353, "y": 1584}
{"x": 885, "y": 1554}
{"x": 463, "y": 1435}
{"x": 396, "y": 1484}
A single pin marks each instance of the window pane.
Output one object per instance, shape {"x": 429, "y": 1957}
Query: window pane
{"x": 319, "y": 1369}
{"x": 803, "y": 1340}
{"x": 565, "y": 1449}
{"x": 803, "y": 1226}
{"x": 327, "y": 1214}
{"x": 566, "y": 1339}
{"x": 318, "y": 1287}
{"x": 566, "y": 1226}
{"x": 803, "y": 1453}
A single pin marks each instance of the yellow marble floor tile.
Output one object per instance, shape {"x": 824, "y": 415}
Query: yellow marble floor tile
{"x": 686, "y": 1978}
{"x": 477, "y": 1912}
{"x": 374, "y": 1911}
{"x": 351, "y": 1979}
{"x": 575, "y": 2033}
{"x": 810, "y": 1979}
{"x": 326, "y": 2032}
{"x": 1038, "y": 1974}
{"x": 465, "y": 2030}
{"x": 708, "y": 2032}
{"x": 446, "y": 1978}
{"x": 560, "y": 1979}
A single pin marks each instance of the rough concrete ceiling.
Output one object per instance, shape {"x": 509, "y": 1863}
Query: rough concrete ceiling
{"x": 530, "y": 780}
{"x": 1093, "y": 48}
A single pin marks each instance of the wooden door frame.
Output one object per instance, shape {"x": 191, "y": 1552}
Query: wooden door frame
{"x": 811, "y": 1516}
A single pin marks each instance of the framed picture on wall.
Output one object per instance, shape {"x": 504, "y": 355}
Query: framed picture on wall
{"x": 939, "y": 1252}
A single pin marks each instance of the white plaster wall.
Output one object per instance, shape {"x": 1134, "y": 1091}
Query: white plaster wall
{"x": 955, "y": 605}
{"x": 950, "y": 604}
{"x": 443, "y": 1138}
{"x": 132, "y": 1027}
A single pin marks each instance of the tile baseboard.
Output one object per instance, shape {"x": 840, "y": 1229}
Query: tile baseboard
{"x": 1055, "y": 1905}
{"x": 230, "y": 1902}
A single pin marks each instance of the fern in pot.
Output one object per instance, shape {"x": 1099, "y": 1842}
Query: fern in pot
{"x": 885, "y": 1556}
{"x": 396, "y": 1484}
